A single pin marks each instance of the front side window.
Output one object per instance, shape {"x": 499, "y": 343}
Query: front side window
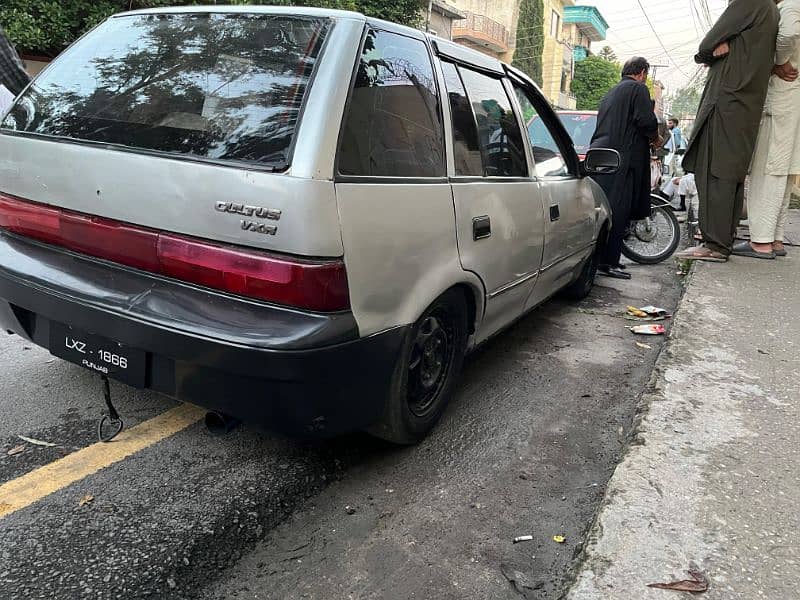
{"x": 393, "y": 125}
{"x": 546, "y": 153}
{"x": 498, "y": 130}
{"x": 211, "y": 86}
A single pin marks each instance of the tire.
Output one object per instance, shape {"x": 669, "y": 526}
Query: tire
{"x": 582, "y": 286}
{"x": 420, "y": 390}
{"x": 652, "y": 252}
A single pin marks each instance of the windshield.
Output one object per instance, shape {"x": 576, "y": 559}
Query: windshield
{"x": 212, "y": 86}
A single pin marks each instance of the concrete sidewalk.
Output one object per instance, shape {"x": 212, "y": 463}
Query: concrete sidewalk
{"x": 713, "y": 476}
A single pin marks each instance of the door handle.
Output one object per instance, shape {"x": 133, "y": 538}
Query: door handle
{"x": 481, "y": 227}
{"x": 555, "y": 213}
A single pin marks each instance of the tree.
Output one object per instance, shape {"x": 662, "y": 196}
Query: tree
{"x": 46, "y": 27}
{"x": 530, "y": 39}
{"x": 686, "y": 100}
{"x": 608, "y": 54}
{"x": 594, "y": 76}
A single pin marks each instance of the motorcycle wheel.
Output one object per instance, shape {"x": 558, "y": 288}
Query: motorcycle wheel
{"x": 653, "y": 240}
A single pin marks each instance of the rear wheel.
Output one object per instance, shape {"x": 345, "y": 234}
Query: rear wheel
{"x": 426, "y": 373}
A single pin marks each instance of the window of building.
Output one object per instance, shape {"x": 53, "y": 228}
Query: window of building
{"x": 499, "y": 133}
{"x": 555, "y": 25}
{"x": 393, "y": 124}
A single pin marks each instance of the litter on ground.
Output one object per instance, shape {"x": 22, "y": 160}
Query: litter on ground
{"x": 648, "y": 329}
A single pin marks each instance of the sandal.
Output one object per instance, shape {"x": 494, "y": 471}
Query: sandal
{"x": 702, "y": 253}
{"x": 744, "y": 248}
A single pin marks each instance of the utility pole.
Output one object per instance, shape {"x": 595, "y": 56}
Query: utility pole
{"x": 655, "y": 69}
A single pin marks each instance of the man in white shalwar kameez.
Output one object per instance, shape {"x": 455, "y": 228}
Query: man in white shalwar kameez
{"x": 777, "y": 155}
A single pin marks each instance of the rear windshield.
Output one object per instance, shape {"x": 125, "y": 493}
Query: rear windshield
{"x": 211, "y": 86}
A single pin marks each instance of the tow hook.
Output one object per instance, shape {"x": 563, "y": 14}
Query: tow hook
{"x": 112, "y": 419}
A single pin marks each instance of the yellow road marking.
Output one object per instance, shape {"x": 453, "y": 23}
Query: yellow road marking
{"x": 32, "y": 487}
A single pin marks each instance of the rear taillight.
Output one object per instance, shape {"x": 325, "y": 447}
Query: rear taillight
{"x": 313, "y": 285}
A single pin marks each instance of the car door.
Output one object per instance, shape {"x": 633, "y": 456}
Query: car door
{"x": 498, "y": 204}
{"x": 569, "y": 202}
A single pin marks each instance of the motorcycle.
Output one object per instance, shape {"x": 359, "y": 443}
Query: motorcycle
{"x": 656, "y": 237}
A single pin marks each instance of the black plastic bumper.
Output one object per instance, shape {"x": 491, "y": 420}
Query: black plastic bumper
{"x": 302, "y": 373}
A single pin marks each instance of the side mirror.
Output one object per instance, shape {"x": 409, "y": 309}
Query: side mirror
{"x": 601, "y": 161}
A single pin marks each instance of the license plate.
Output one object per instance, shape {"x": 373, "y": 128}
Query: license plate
{"x": 98, "y": 354}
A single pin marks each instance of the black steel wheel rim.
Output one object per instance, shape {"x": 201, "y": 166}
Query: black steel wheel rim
{"x": 432, "y": 355}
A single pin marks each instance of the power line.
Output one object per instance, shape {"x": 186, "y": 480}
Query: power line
{"x": 649, "y": 22}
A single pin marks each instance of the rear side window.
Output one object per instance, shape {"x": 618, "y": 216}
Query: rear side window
{"x": 212, "y": 86}
{"x": 466, "y": 150}
{"x": 498, "y": 130}
{"x": 393, "y": 126}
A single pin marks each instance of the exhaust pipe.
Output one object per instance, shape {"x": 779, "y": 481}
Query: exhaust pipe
{"x": 219, "y": 423}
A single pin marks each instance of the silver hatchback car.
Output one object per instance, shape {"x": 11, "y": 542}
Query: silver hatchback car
{"x": 302, "y": 218}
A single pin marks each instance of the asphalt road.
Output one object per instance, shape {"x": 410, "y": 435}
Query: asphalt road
{"x": 526, "y": 448}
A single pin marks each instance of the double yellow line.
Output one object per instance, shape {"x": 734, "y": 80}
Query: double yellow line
{"x": 32, "y": 487}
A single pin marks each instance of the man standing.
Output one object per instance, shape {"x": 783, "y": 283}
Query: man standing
{"x": 777, "y": 153}
{"x": 675, "y": 141}
{"x": 740, "y": 53}
{"x": 12, "y": 75}
{"x": 626, "y": 123}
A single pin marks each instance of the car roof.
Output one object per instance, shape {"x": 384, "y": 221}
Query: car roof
{"x": 577, "y": 112}
{"x": 443, "y": 46}
{"x": 247, "y": 9}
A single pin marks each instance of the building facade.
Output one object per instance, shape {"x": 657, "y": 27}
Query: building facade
{"x": 489, "y": 26}
{"x": 439, "y": 18}
{"x": 569, "y": 31}
{"x": 583, "y": 25}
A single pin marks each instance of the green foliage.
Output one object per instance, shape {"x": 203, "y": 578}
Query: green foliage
{"x": 685, "y": 102}
{"x": 48, "y": 26}
{"x": 593, "y": 78}
{"x": 608, "y": 54}
{"x": 530, "y": 39}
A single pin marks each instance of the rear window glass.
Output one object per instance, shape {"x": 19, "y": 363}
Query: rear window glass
{"x": 212, "y": 86}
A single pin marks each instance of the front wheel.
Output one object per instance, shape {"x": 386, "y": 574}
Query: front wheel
{"x": 582, "y": 286}
{"x": 426, "y": 373}
{"x": 653, "y": 239}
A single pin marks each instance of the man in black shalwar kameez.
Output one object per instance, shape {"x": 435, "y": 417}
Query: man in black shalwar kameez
{"x": 626, "y": 123}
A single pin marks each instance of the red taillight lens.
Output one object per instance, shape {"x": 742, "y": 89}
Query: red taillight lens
{"x": 30, "y": 220}
{"x": 313, "y": 285}
{"x": 111, "y": 240}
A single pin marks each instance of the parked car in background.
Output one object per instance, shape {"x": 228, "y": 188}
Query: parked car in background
{"x": 580, "y": 126}
{"x": 299, "y": 217}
